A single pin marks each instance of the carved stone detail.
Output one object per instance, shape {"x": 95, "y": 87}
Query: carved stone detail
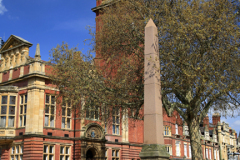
{"x": 94, "y": 131}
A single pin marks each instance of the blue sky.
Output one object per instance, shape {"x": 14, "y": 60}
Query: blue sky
{"x": 51, "y": 22}
{"x": 47, "y": 22}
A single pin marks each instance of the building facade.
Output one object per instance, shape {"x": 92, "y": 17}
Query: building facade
{"x": 33, "y": 126}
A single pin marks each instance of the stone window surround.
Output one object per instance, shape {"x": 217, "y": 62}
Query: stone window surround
{"x": 169, "y": 149}
{"x": 66, "y": 116}
{"x": 16, "y": 152}
{"x": 116, "y": 121}
{"x": 7, "y": 105}
{"x": 185, "y": 149}
{"x": 178, "y": 144}
{"x": 50, "y": 110}
{"x": 167, "y": 131}
{"x": 115, "y": 154}
{"x": 65, "y": 152}
{"x": 48, "y": 151}
{"x": 22, "y": 110}
{"x": 92, "y": 113}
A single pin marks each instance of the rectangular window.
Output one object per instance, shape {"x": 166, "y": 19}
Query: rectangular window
{"x": 190, "y": 151}
{"x": 64, "y": 153}
{"x": 215, "y": 156}
{"x": 23, "y": 110}
{"x": 92, "y": 113}
{"x": 16, "y": 152}
{"x": 169, "y": 149}
{"x": 106, "y": 156}
{"x": 167, "y": 131}
{"x": 185, "y": 150}
{"x": 206, "y": 153}
{"x": 50, "y": 105}
{"x": 115, "y": 154}
{"x": 48, "y": 152}
{"x": 176, "y": 128}
{"x": 116, "y": 121}
{"x": 66, "y": 116}
{"x": 8, "y": 108}
{"x": 177, "y": 148}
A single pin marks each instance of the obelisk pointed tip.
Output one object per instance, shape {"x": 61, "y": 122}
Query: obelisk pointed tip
{"x": 37, "y": 53}
{"x": 150, "y": 23}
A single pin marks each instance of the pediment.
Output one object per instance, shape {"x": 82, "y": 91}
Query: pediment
{"x": 14, "y": 42}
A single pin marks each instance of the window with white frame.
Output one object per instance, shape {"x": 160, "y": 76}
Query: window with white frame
{"x": 167, "y": 131}
{"x": 23, "y": 110}
{"x": 64, "y": 152}
{"x": 206, "y": 153}
{"x": 185, "y": 150}
{"x": 50, "y": 105}
{"x": 48, "y": 152}
{"x": 215, "y": 154}
{"x": 169, "y": 149}
{"x": 115, "y": 121}
{"x": 16, "y": 152}
{"x": 115, "y": 154}
{"x": 190, "y": 151}
{"x": 8, "y": 107}
{"x": 176, "y": 128}
{"x": 66, "y": 116}
{"x": 177, "y": 148}
{"x": 106, "y": 155}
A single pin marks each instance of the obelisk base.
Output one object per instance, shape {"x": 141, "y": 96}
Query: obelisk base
{"x": 154, "y": 151}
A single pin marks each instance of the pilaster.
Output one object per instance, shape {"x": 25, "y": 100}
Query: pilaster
{"x": 10, "y": 74}
{"x": 1, "y": 77}
{"x": 35, "y": 104}
{"x": 21, "y": 71}
{"x": 125, "y": 127}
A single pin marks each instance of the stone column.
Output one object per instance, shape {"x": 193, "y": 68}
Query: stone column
{"x": 153, "y": 147}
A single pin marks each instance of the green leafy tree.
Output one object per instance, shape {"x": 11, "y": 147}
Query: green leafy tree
{"x": 199, "y": 59}
{"x": 199, "y": 56}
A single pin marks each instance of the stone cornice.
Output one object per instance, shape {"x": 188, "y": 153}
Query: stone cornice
{"x": 104, "y": 5}
{"x": 24, "y": 77}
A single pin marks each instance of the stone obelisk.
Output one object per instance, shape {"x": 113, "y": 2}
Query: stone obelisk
{"x": 153, "y": 147}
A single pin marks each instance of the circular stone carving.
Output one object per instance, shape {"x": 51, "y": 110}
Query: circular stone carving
{"x": 94, "y": 132}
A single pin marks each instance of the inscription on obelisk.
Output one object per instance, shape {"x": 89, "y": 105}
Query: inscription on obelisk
{"x": 153, "y": 147}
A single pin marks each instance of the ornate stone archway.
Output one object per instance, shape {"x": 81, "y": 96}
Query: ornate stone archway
{"x": 93, "y": 142}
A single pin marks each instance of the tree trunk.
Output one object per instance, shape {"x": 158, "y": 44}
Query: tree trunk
{"x": 195, "y": 140}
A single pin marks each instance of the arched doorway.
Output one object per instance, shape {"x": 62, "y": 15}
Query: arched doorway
{"x": 91, "y": 154}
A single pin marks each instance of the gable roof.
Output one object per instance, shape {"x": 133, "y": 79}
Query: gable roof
{"x": 17, "y": 41}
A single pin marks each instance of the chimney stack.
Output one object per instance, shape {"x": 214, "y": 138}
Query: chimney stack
{"x": 206, "y": 121}
{"x": 216, "y": 118}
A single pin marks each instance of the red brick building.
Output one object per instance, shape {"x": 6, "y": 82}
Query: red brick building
{"x": 32, "y": 126}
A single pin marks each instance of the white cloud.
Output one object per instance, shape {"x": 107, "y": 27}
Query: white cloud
{"x": 237, "y": 123}
{"x": 2, "y": 8}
